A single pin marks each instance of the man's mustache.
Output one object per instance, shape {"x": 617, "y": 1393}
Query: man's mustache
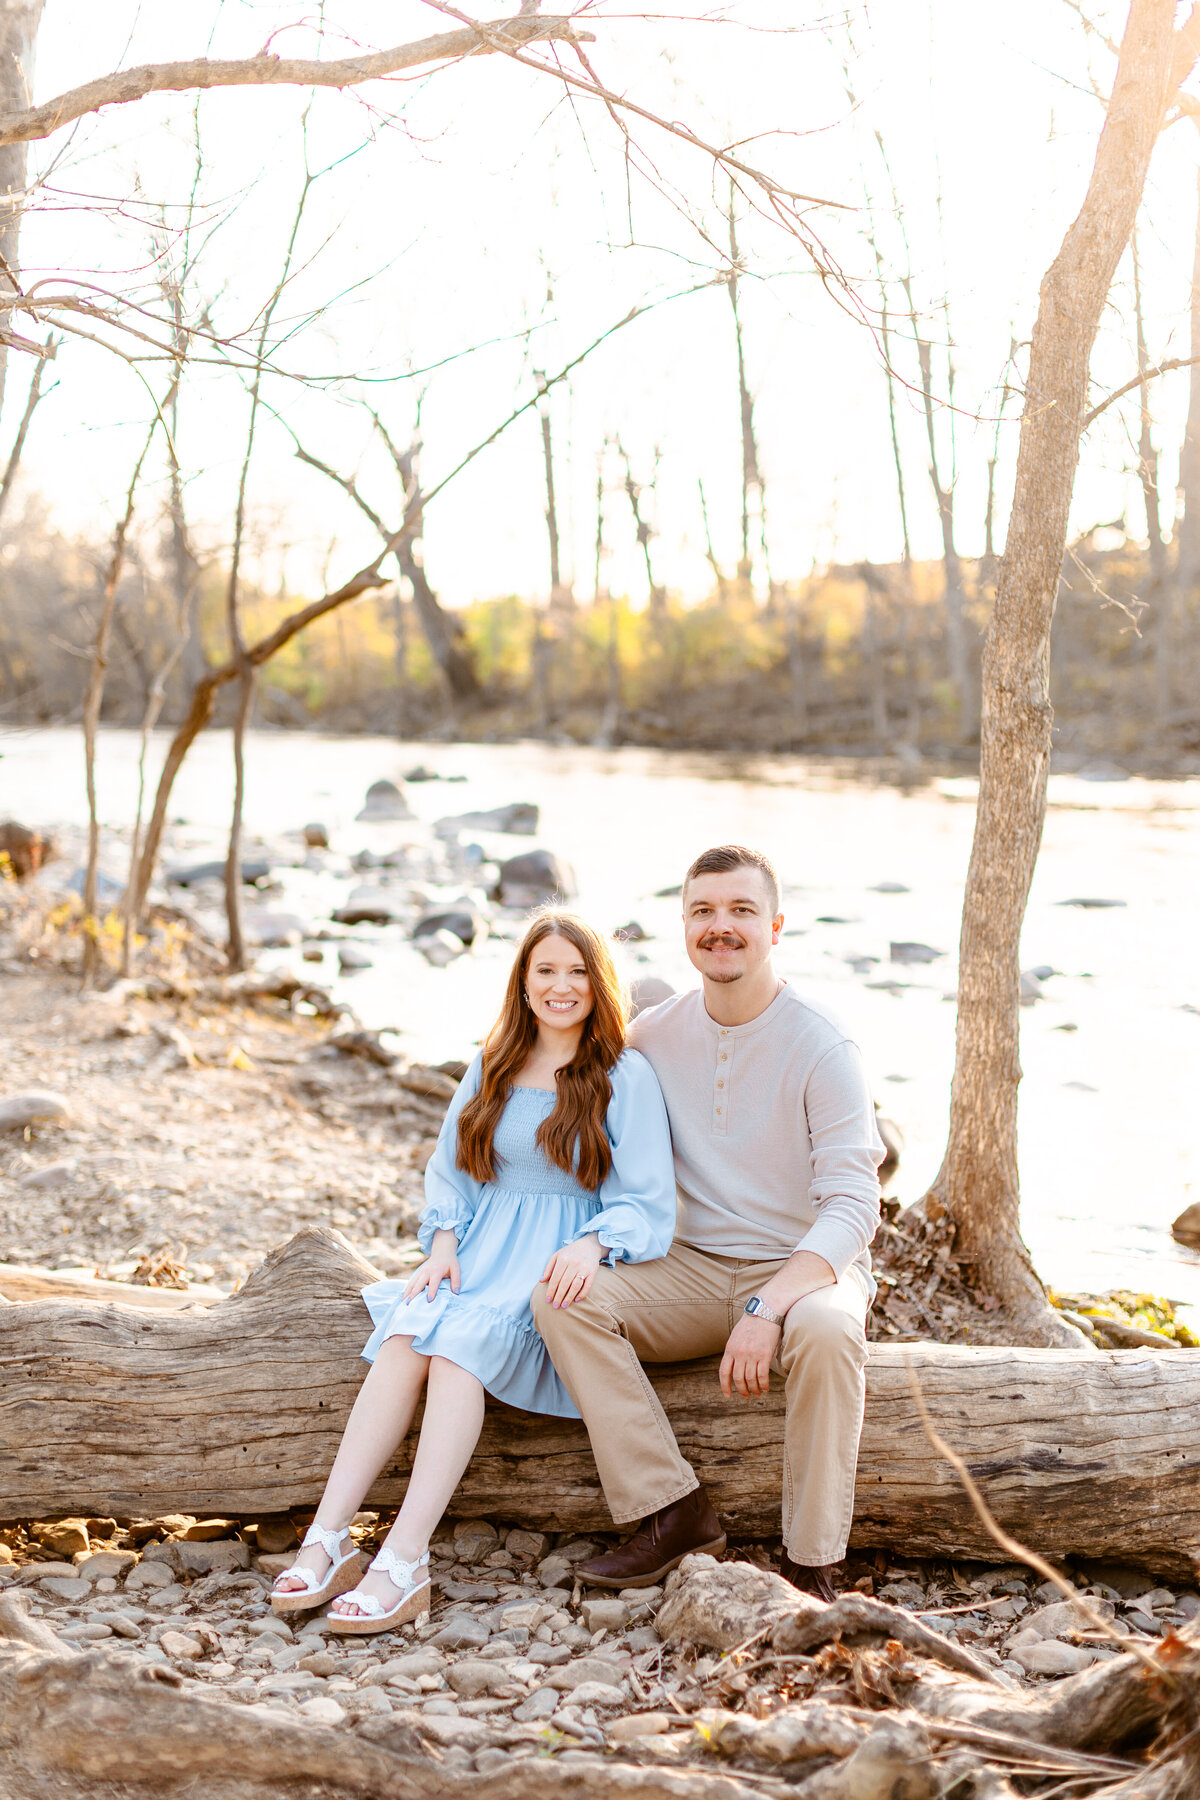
{"x": 727, "y": 938}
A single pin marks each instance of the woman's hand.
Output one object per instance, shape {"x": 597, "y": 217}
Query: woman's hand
{"x": 572, "y": 1270}
{"x": 441, "y": 1266}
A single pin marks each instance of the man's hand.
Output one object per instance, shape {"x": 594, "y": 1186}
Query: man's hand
{"x": 746, "y": 1364}
{"x": 572, "y": 1270}
{"x": 442, "y": 1266}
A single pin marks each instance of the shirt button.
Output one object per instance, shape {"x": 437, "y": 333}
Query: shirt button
{"x": 720, "y": 1084}
{"x": 724, "y": 1056}
{"x": 718, "y": 1109}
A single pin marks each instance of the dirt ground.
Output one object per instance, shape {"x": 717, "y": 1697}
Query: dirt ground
{"x": 213, "y": 1131}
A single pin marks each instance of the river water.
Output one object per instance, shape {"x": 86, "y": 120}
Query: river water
{"x": 1110, "y": 1152}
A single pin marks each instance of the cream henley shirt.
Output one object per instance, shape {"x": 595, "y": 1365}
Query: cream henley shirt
{"x": 773, "y": 1129}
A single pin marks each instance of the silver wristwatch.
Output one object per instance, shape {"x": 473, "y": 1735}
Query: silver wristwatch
{"x": 758, "y": 1309}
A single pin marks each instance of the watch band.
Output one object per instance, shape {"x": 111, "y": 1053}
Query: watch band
{"x": 758, "y": 1309}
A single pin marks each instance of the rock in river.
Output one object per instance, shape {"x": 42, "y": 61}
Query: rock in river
{"x": 441, "y": 947}
{"x": 384, "y": 801}
{"x": 1186, "y": 1228}
{"x": 520, "y": 819}
{"x": 370, "y": 906}
{"x": 533, "y": 878}
{"x": 252, "y": 873}
{"x": 463, "y": 921}
{"x": 914, "y": 953}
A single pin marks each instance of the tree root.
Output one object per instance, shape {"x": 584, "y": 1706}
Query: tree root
{"x": 90, "y": 1726}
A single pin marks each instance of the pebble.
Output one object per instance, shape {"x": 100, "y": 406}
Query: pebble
{"x": 473, "y": 1677}
{"x": 84, "y": 1631}
{"x": 97, "y": 1564}
{"x": 37, "y": 1106}
{"x": 323, "y": 1711}
{"x": 1050, "y": 1657}
{"x": 66, "y": 1536}
{"x": 639, "y": 1725}
{"x": 556, "y": 1572}
{"x": 269, "y": 1626}
{"x": 540, "y": 1705}
{"x": 147, "y": 1575}
{"x": 66, "y": 1587}
{"x": 586, "y": 1669}
{"x": 320, "y": 1662}
{"x": 160, "y": 1598}
{"x": 605, "y": 1615}
{"x": 372, "y": 1700}
{"x": 533, "y": 1544}
{"x": 225, "y": 1555}
{"x": 122, "y": 1626}
{"x": 491, "y": 1758}
{"x": 180, "y": 1647}
{"x": 352, "y": 957}
{"x": 599, "y": 1693}
{"x": 463, "y": 1634}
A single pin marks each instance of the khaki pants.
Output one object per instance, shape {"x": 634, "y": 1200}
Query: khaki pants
{"x": 685, "y": 1304}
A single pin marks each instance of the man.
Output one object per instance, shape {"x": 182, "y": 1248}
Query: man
{"x": 776, "y": 1159}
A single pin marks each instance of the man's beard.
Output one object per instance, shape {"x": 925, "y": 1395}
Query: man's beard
{"x": 723, "y": 976}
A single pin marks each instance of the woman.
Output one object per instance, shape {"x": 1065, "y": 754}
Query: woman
{"x": 554, "y": 1156}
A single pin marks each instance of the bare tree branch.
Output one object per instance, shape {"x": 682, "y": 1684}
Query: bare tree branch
{"x": 774, "y": 190}
{"x": 120, "y": 88}
{"x": 1140, "y": 380}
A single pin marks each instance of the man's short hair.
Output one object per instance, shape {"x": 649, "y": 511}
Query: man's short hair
{"x": 725, "y": 857}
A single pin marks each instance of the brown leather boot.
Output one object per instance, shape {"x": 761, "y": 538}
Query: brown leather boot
{"x": 659, "y": 1545}
{"x": 810, "y": 1578}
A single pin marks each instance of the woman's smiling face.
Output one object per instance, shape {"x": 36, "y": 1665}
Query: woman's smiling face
{"x": 557, "y": 983}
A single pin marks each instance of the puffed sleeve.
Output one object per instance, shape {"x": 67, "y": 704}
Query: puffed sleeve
{"x": 451, "y": 1195}
{"x": 637, "y": 1196}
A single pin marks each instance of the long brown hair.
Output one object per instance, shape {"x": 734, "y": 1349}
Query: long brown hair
{"x": 573, "y": 1137}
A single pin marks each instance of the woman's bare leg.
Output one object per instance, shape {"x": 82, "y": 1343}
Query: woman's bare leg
{"x": 379, "y": 1419}
{"x": 449, "y": 1434}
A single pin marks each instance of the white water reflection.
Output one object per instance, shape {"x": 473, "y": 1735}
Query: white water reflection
{"x": 1109, "y": 1149}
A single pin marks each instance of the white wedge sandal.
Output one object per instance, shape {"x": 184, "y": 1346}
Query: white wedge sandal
{"x": 345, "y": 1571}
{"x": 415, "y": 1594}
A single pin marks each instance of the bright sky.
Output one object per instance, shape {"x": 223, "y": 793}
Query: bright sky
{"x": 478, "y": 205}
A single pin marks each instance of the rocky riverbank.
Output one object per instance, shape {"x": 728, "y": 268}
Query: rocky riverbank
{"x": 518, "y": 1660}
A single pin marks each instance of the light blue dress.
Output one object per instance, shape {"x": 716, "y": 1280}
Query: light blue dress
{"x": 510, "y": 1228}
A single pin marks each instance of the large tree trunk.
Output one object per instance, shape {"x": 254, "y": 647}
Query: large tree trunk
{"x": 120, "y": 1411}
{"x": 19, "y": 21}
{"x": 978, "y": 1182}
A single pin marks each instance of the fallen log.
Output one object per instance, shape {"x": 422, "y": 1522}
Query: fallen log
{"x": 24, "y": 1281}
{"x": 106, "y": 1408}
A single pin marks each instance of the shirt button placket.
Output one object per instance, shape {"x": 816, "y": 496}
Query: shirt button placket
{"x": 720, "y": 1083}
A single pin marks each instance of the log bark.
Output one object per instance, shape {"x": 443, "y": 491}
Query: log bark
{"x": 979, "y": 1181}
{"x": 237, "y": 1410}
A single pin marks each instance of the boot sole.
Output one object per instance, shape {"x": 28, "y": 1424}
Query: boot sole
{"x": 653, "y": 1576}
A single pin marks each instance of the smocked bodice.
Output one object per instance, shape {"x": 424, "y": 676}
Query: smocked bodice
{"x": 521, "y": 1166}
